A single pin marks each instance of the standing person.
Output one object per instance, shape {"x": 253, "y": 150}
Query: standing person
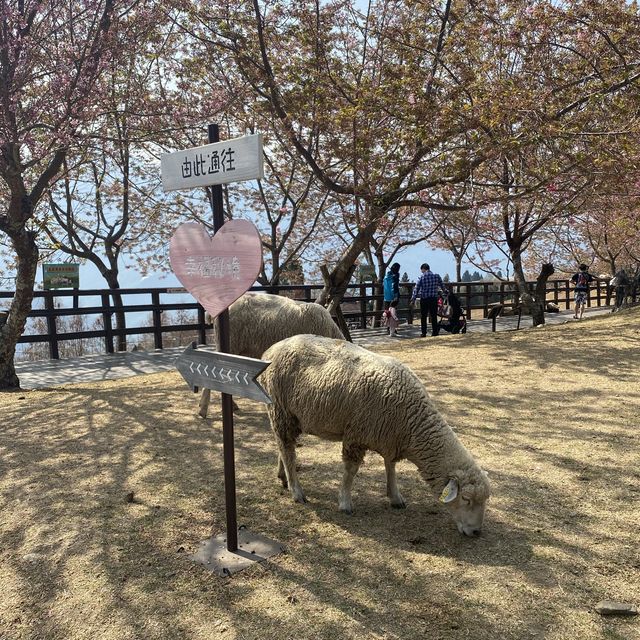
{"x": 391, "y": 285}
{"x": 426, "y": 289}
{"x": 390, "y": 318}
{"x": 581, "y": 281}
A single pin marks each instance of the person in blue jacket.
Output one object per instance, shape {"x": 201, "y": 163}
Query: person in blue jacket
{"x": 391, "y": 285}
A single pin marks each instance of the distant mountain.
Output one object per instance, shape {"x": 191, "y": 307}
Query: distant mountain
{"x": 156, "y": 280}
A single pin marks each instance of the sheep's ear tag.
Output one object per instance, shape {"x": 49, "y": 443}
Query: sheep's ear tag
{"x": 450, "y": 492}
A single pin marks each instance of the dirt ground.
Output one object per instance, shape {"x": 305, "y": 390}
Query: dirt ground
{"x": 552, "y": 414}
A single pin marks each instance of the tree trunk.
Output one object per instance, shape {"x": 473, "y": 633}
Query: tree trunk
{"x": 379, "y": 279}
{"x": 121, "y": 321}
{"x": 336, "y": 282}
{"x": 336, "y": 293}
{"x": 533, "y": 303}
{"x": 26, "y": 253}
{"x": 518, "y": 277}
{"x": 458, "y": 258}
{"x": 537, "y": 313}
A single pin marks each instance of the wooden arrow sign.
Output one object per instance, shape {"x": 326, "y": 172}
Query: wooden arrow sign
{"x": 223, "y": 372}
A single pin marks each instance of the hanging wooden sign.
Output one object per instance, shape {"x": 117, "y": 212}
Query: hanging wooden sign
{"x": 219, "y": 163}
{"x": 216, "y": 270}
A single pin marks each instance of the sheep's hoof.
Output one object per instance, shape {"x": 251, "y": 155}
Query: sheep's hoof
{"x": 398, "y": 503}
{"x": 346, "y": 506}
{"x": 300, "y": 498}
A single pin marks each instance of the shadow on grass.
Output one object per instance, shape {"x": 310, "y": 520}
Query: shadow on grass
{"x": 69, "y": 460}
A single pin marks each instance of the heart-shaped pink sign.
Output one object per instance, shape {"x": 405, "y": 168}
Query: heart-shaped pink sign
{"x": 216, "y": 270}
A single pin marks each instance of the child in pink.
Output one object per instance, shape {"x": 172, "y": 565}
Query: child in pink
{"x": 390, "y": 318}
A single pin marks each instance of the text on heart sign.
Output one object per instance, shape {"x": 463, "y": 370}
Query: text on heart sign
{"x": 212, "y": 266}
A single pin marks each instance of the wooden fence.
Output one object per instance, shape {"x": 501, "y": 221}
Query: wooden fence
{"x": 361, "y": 305}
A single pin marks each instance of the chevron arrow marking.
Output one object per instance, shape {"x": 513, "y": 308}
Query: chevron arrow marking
{"x": 225, "y": 372}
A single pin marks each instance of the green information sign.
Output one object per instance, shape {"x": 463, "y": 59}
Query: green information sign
{"x": 366, "y": 272}
{"x": 61, "y": 276}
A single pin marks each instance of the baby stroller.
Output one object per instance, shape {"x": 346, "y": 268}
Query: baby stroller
{"x": 451, "y": 316}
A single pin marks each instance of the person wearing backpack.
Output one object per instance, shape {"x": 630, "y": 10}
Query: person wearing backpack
{"x": 581, "y": 282}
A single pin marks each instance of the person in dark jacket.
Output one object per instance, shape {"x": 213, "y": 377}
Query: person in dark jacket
{"x": 455, "y": 321}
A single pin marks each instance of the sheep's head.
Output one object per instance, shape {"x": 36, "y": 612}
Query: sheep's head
{"x": 465, "y": 496}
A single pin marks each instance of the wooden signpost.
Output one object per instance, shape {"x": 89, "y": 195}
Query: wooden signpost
{"x": 217, "y": 271}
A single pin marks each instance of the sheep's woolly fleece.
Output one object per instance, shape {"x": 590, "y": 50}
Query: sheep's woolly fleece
{"x": 340, "y": 391}
{"x": 259, "y": 320}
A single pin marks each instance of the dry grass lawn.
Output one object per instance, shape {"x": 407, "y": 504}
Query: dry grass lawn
{"x": 553, "y": 414}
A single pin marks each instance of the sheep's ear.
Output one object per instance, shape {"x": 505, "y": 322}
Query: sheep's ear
{"x": 450, "y": 492}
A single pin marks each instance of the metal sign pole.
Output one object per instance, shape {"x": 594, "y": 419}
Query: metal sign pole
{"x": 227, "y": 399}
{"x": 216, "y": 271}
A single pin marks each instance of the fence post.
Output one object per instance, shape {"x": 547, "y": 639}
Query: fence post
{"x": 106, "y": 321}
{"x": 363, "y": 305}
{"x": 409, "y": 291}
{"x": 202, "y": 330}
{"x": 468, "y": 298}
{"x": 485, "y": 296}
{"x": 157, "y": 320}
{"x": 567, "y": 294}
{"x": 51, "y": 325}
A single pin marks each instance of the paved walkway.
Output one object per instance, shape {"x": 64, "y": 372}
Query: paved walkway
{"x": 51, "y": 373}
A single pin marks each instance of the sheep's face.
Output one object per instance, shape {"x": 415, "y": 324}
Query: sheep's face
{"x": 466, "y": 501}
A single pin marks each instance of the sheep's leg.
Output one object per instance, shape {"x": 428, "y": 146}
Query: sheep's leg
{"x": 281, "y": 473}
{"x": 393, "y": 493}
{"x": 205, "y": 398}
{"x": 286, "y": 430}
{"x": 352, "y": 456}
{"x": 288, "y": 459}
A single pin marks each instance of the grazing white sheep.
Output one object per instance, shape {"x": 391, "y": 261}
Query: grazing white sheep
{"x": 340, "y": 391}
{"x": 259, "y": 320}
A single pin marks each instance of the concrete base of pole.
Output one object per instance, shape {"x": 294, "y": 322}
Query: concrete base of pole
{"x": 252, "y": 547}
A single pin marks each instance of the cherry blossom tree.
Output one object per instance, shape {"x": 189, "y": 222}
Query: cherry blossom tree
{"x": 51, "y": 55}
{"x": 573, "y": 70}
{"x": 287, "y": 207}
{"x": 398, "y": 104}
{"x": 109, "y": 202}
{"x": 457, "y": 234}
{"x": 364, "y": 97}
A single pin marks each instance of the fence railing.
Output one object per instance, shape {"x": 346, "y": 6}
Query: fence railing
{"x": 362, "y": 307}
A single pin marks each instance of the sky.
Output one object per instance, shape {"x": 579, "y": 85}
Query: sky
{"x": 410, "y": 260}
